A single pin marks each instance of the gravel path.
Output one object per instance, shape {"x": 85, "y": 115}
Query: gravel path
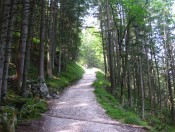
{"x": 77, "y": 111}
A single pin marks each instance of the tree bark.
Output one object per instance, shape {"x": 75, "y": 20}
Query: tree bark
{"x": 111, "y": 67}
{"x": 8, "y": 50}
{"x": 42, "y": 39}
{"x": 28, "y": 47}
{"x": 3, "y": 35}
{"x": 50, "y": 42}
{"x": 103, "y": 43}
{"x": 22, "y": 45}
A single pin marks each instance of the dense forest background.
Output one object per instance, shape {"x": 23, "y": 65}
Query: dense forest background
{"x": 138, "y": 47}
{"x": 134, "y": 45}
{"x": 47, "y": 31}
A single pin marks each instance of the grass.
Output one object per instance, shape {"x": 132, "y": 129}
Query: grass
{"x": 110, "y": 104}
{"x": 116, "y": 111}
{"x": 73, "y": 73}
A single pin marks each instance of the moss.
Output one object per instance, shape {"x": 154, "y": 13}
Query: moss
{"x": 8, "y": 118}
{"x": 32, "y": 109}
{"x": 26, "y": 108}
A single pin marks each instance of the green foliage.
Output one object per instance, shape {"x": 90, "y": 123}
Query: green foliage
{"x": 110, "y": 104}
{"x": 26, "y": 108}
{"x": 134, "y": 120}
{"x": 8, "y": 119}
{"x": 101, "y": 81}
{"x": 10, "y": 111}
{"x": 35, "y": 40}
{"x": 73, "y": 73}
{"x": 15, "y": 100}
{"x": 33, "y": 109}
{"x": 91, "y": 48}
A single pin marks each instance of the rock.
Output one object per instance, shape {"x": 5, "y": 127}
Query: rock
{"x": 8, "y": 118}
{"x": 49, "y": 97}
{"x": 29, "y": 90}
{"x": 44, "y": 90}
{"x": 55, "y": 96}
{"x": 35, "y": 90}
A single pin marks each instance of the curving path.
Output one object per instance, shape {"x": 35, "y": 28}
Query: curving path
{"x": 77, "y": 111}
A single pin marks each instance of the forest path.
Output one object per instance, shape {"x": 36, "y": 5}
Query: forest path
{"x": 77, "y": 111}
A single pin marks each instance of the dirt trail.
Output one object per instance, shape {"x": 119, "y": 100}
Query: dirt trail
{"x": 77, "y": 111}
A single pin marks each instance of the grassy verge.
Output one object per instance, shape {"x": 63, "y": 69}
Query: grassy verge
{"x": 116, "y": 111}
{"x": 58, "y": 83}
{"x": 112, "y": 107}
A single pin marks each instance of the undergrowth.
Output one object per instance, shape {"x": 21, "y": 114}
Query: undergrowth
{"x": 26, "y": 108}
{"x": 116, "y": 111}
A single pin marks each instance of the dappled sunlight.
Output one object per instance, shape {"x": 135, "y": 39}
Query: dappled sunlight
{"x": 60, "y": 103}
{"x": 56, "y": 77}
{"x": 91, "y": 71}
{"x": 81, "y": 104}
{"x": 82, "y": 85}
{"x": 71, "y": 104}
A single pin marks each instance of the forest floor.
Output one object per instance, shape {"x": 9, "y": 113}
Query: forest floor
{"x": 77, "y": 111}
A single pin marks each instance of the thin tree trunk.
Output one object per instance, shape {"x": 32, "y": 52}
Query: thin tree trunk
{"x": 112, "y": 74}
{"x": 50, "y": 43}
{"x": 55, "y": 32}
{"x": 142, "y": 88}
{"x": 171, "y": 96}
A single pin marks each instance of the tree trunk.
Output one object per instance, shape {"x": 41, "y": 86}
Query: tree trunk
{"x": 50, "y": 43}
{"x": 142, "y": 88}
{"x": 22, "y": 45}
{"x": 28, "y": 47}
{"x": 111, "y": 67}
{"x": 3, "y": 35}
{"x": 8, "y": 50}
{"x": 171, "y": 96}
{"x": 42, "y": 39}
{"x": 103, "y": 43}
